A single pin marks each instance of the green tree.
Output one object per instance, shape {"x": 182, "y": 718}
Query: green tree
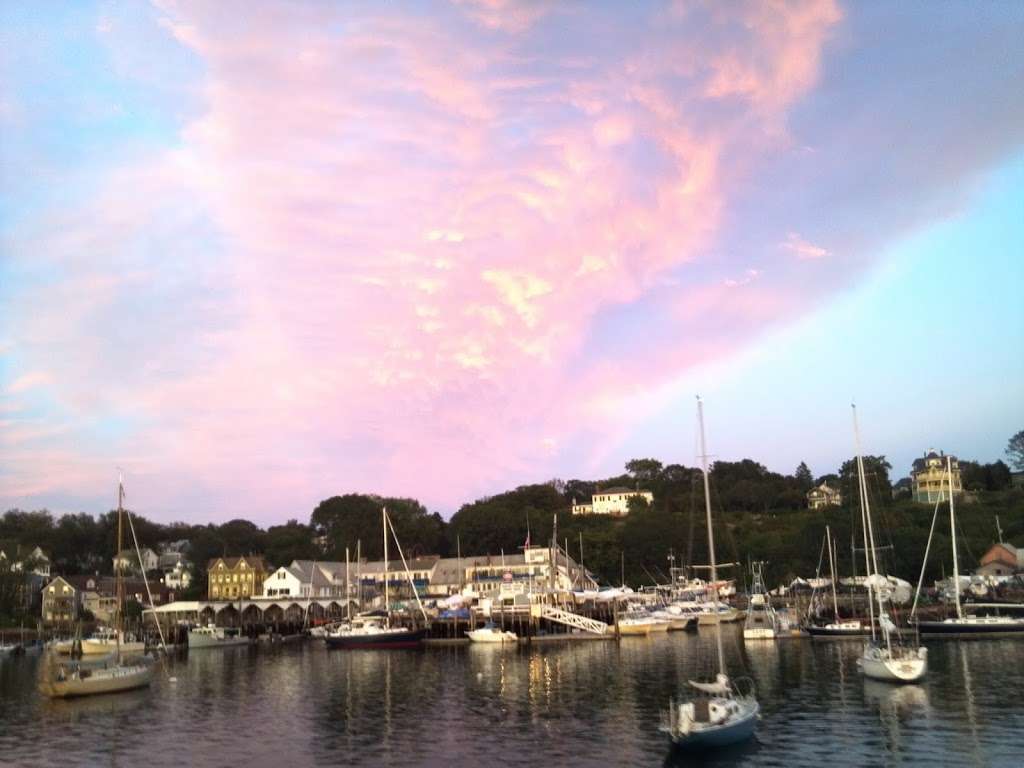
{"x": 876, "y": 474}
{"x": 644, "y": 470}
{"x": 804, "y": 478}
{"x": 1015, "y": 451}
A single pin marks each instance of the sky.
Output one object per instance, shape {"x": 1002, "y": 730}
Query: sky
{"x": 253, "y": 255}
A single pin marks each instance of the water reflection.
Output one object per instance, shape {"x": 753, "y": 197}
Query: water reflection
{"x": 593, "y": 703}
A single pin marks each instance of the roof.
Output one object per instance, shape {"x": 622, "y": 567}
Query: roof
{"x": 920, "y": 464}
{"x": 619, "y": 489}
{"x": 16, "y": 552}
{"x": 255, "y": 562}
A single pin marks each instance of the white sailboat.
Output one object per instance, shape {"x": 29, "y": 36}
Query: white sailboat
{"x": 837, "y": 628}
{"x": 65, "y": 680}
{"x": 885, "y": 657}
{"x": 725, "y": 711}
{"x": 963, "y": 623}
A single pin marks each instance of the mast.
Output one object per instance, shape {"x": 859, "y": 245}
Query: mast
{"x": 832, "y": 568}
{"x": 863, "y": 523}
{"x": 952, "y": 531}
{"x": 458, "y": 554}
{"x": 711, "y": 536}
{"x": 118, "y": 567}
{"x": 871, "y": 559}
{"x": 348, "y": 589}
{"x": 387, "y": 595}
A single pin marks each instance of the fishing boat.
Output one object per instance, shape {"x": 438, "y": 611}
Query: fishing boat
{"x": 837, "y": 628}
{"x": 215, "y": 637}
{"x": 376, "y": 631}
{"x": 107, "y": 639}
{"x": 725, "y": 711}
{"x": 885, "y": 656}
{"x": 964, "y": 623}
{"x": 761, "y": 623}
{"x": 491, "y": 633}
{"x": 70, "y": 679}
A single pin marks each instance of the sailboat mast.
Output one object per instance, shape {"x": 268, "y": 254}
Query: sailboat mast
{"x": 387, "y": 594}
{"x": 832, "y": 569}
{"x": 711, "y": 536}
{"x": 952, "y": 531}
{"x": 118, "y": 568}
{"x": 862, "y": 496}
{"x": 348, "y": 588}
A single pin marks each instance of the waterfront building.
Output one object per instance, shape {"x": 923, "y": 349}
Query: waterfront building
{"x": 824, "y": 495}
{"x": 612, "y": 501}
{"x": 230, "y": 578}
{"x": 306, "y": 578}
{"x": 1001, "y": 560}
{"x": 929, "y": 477}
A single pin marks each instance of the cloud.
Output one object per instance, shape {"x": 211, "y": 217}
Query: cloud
{"x": 398, "y": 252}
{"x": 801, "y": 248}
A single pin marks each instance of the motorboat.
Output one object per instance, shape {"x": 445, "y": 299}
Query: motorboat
{"x": 212, "y": 636}
{"x": 491, "y": 633}
{"x": 761, "y": 623}
{"x": 107, "y": 639}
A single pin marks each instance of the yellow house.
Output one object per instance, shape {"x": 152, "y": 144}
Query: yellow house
{"x": 929, "y": 477}
{"x": 230, "y": 578}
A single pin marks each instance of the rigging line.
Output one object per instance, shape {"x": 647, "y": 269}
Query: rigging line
{"x": 149, "y": 594}
{"x": 924, "y": 562}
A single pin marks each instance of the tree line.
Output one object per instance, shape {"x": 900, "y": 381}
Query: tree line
{"x": 759, "y": 515}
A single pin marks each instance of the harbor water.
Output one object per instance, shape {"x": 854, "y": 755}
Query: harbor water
{"x": 547, "y": 704}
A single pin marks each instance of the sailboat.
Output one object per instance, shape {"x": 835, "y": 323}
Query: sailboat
{"x": 837, "y": 628}
{"x": 375, "y": 630}
{"x": 963, "y": 624}
{"x": 885, "y": 657}
{"x": 762, "y": 622}
{"x": 725, "y": 711}
{"x": 65, "y": 680}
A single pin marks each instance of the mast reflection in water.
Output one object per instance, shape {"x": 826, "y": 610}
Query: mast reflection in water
{"x": 584, "y": 704}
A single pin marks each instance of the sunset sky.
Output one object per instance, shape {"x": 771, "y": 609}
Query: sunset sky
{"x": 256, "y": 254}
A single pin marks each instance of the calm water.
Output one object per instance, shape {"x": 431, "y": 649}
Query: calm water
{"x": 594, "y": 704}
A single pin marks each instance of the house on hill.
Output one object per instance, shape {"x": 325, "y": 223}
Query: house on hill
{"x": 929, "y": 477}
{"x": 613, "y": 502}
{"x": 1001, "y": 560}
{"x": 823, "y": 496}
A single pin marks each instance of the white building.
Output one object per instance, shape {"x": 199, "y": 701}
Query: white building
{"x": 14, "y": 557}
{"x": 128, "y": 560}
{"x": 613, "y": 502}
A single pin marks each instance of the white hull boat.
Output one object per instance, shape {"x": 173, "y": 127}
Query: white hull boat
{"x": 82, "y": 681}
{"x": 214, "y": 637}
{"x": 492, "y": 634}
{"x": 906, "y": 665}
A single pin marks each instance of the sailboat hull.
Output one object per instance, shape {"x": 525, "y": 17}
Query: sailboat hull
{"x": 383, "y": 640}
{"x": 838, "y": 632}
{"x": 907, "y": 668}
{"x": 972, "y": 627}
{"x": 735, "y": 731}
{"x": 113, "y": 680}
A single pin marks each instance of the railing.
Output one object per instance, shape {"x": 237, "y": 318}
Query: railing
{"x": 573, "y": 620}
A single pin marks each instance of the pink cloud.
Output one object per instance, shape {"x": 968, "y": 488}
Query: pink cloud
{"x": 801, "y": 248}
{"x": 410, "y": 255}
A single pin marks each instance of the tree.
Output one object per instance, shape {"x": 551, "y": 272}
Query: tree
{"x": 1015, "y": 450}
{"x": 804, "y": 478}
{"x": 644, "y": 470}
{"x": 876, "y": 476}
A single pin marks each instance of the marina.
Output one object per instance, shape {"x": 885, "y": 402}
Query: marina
{"x": 562, "y": 702}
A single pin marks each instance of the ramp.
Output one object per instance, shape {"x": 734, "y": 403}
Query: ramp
{"x": 573, "y": 620}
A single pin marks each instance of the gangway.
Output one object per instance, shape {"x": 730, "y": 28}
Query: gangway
{"x": 573, "y": 620}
